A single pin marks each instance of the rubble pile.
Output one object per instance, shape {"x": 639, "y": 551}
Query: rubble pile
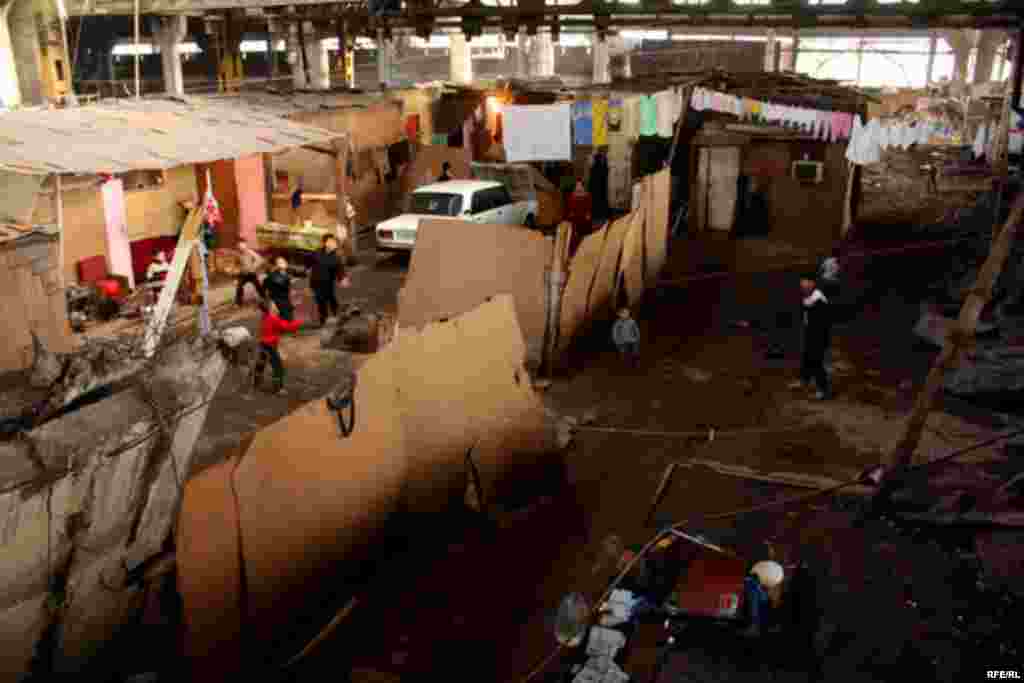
{"x": 89, "y": 495}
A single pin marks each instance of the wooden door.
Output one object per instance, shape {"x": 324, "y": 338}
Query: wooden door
{"x": 714, "y": 200}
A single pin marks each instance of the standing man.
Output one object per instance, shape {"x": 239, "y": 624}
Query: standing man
{"x": 323, "y": 277}
{"x": 817, "y": 333}
{"x": 278, "y": 286}
{"x": 250, "y": 263}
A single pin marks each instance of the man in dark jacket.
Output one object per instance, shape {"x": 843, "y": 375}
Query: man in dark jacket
{"x": 817, "y": 335}
{"x": 278, "y": 286}
{"x": 323, "y": 277}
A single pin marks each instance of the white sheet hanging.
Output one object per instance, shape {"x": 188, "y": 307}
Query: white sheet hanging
{"x": 537, "y": 132}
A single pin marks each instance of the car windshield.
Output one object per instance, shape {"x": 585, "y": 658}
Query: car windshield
{"x": 435, "y": 203}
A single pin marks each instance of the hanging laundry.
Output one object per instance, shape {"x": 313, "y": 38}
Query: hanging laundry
{"x": 648, "y": 115}
{"x": 980, "y": 140}
{"x": 538, "y": 132}
{"x": 666, "y": 112}
{"x": 582, "y": 122}
{"x": 600, "y": 112}
{"x": 631, "y": 117}
{"x": 615, "y": 116}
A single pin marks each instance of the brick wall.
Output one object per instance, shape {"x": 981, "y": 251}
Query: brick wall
{"x": 31, "y": 298}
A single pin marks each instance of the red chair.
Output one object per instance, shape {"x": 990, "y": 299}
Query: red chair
{"x": 93, "y": 272}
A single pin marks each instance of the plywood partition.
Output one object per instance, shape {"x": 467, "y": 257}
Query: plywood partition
{"x": 631, "y": 268}
{"x": 601, "y": 303}
{"x": 312, "y": 504}
{"x": 657, "y": 198}
{"x": 582, "y": 271}
{"x": 457, "y": 265}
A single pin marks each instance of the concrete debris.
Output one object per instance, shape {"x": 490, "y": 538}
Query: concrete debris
{"x": 988, "y": 370}
{"x": 105, "y": 498}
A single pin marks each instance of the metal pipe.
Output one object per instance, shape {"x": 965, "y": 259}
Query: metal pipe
{"x": 138, "y": 57}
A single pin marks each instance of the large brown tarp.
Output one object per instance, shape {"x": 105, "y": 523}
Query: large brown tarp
{"x": 457, "y": 265}
{"x": 312, "y": 504}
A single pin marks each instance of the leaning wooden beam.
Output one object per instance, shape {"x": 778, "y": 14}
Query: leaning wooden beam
{"x": 959, "y": 339}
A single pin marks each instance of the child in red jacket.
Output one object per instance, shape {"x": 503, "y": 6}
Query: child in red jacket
{"x": 272, "y": 326}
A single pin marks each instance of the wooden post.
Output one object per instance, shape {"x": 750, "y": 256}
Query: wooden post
{"x": 848, "y": 202}
{"x": 59, "y": 195}
{"x": 961, "y": 337}
{"x": 341, "y": 191}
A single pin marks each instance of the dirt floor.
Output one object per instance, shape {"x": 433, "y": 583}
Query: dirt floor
{"x": 472, "y": 600}
{"x": 887, "y": 599}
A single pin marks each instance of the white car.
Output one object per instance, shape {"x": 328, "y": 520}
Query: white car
{"x": 478, "y": 201}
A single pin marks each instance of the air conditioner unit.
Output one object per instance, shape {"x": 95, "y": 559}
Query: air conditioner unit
{"x": 809, "y": 172}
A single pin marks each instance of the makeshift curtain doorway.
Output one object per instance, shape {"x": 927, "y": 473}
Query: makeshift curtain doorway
{"x": 119, "y": 250}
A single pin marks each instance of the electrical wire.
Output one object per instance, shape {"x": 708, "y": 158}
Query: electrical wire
{"x": 678, "y": 526}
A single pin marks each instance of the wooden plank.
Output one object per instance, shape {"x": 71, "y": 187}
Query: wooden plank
{"x": 656, "y": 230}
{"x": 601, "y": 301}
{"x": 957, "y": 342}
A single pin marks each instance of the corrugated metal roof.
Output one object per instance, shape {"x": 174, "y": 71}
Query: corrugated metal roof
{"x": 291, "y": 103}
{"x": 127, "y": 135}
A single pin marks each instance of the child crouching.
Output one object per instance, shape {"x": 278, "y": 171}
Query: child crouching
{"x": 272, "y": 326}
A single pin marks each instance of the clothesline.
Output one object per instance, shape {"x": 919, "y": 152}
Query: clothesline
{"x": 830, "y": 126}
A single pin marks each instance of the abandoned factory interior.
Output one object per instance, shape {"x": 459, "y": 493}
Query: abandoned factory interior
{"x": 538, "y": 341}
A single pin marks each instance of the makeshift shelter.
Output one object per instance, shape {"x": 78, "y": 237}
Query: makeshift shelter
{"x": 748, "y": 176}
{"x": 122, "y": 173}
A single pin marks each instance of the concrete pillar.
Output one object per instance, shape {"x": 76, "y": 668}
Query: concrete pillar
{"x": 460, "y": 61}
{"x": 295, "y": 58}
{"x": 988, "y": 43}
{"x": 602, "y": 60}
{"x": 10, "y": 93}
{"x": 542, "y": 56}
{"x": 521, "y": 56}
{"x": 317, "y": 58}
{"x": 961, "y": 42}
{"x": 169, "y": 34}
{"x": 385, "y": 58}
{"x": 273, "y": 35}
{"x": 771, "y": 52}
{"x": 24, "y": 36}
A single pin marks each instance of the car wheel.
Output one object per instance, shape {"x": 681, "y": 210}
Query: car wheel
{"x": 530, "y": 222}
